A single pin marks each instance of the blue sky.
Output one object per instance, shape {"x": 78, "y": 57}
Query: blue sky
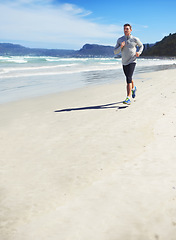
{"x": 69, "y": 24}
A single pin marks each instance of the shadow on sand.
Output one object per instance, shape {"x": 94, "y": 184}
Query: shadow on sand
{"x": 105, "y": 106}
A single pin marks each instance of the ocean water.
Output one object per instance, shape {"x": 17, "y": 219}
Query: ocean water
{"x": 25, "y": 77}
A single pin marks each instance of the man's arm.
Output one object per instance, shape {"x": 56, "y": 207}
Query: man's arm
{"x": 141, "y": 47}
{"x": 117, "y": 48}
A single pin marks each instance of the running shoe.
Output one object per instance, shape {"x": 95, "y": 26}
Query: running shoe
{"x": 127, "y": 101}
{"x": 134, "y": 92}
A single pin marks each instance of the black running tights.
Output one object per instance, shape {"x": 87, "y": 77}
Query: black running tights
{"x": 128, "y": 70}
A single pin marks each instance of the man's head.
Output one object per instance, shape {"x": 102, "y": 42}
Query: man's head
{"x": 127, "y": 29}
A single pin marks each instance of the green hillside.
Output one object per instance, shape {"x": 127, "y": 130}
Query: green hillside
{"x": 166, "y": 47}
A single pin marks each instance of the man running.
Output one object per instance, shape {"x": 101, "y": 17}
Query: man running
{"x": 127, "y": 45}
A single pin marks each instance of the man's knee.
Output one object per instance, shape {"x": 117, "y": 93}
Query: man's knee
{"x": 129, "y": 80}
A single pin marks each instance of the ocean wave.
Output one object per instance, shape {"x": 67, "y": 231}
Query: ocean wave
{"x": 39, "y": 76}
{"x": 13, "y": 60}
{"x": 48, "y": 73}
{"x": 155, "y": 61}
{"x": 38, "y": 67}
{"x": 58, "y": 66}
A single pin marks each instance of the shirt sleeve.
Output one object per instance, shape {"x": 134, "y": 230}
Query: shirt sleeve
{"x": 117, "y": 48}
{"x": 140, "y": 45}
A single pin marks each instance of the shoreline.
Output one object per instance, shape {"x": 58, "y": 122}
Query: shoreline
{"x": 37, "y": 86}
{"x": 81, "y": 165}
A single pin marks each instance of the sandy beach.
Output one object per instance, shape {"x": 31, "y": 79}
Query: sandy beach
{"x": 80, "y": 165}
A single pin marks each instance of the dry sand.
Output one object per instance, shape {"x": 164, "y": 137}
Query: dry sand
{"x": 80, "y": 166}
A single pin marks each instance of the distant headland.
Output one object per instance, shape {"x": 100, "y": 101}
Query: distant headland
{"x": 164, "y": 48}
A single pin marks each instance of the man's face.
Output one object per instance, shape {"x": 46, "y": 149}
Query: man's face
{"x": 127, "y": 30}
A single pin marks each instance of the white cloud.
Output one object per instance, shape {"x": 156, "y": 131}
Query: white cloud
{"x": 74, "y": 10}
{"x": 62, "y": 26}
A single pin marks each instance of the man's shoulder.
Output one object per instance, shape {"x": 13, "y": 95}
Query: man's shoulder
{"x": 136, "y": 39}
{"x": 120, "y": 39}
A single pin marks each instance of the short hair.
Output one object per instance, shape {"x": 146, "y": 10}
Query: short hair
{"x": 127, "y": 25}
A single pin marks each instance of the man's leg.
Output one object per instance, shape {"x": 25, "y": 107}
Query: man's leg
{"x": 128, "y": 70}
{"x": 129, "y": 89}
{"x": 130, "y": 86}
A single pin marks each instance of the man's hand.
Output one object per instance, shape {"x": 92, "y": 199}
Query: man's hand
{"x": 122, "y": 44}
{"x": 137, "y": 54}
